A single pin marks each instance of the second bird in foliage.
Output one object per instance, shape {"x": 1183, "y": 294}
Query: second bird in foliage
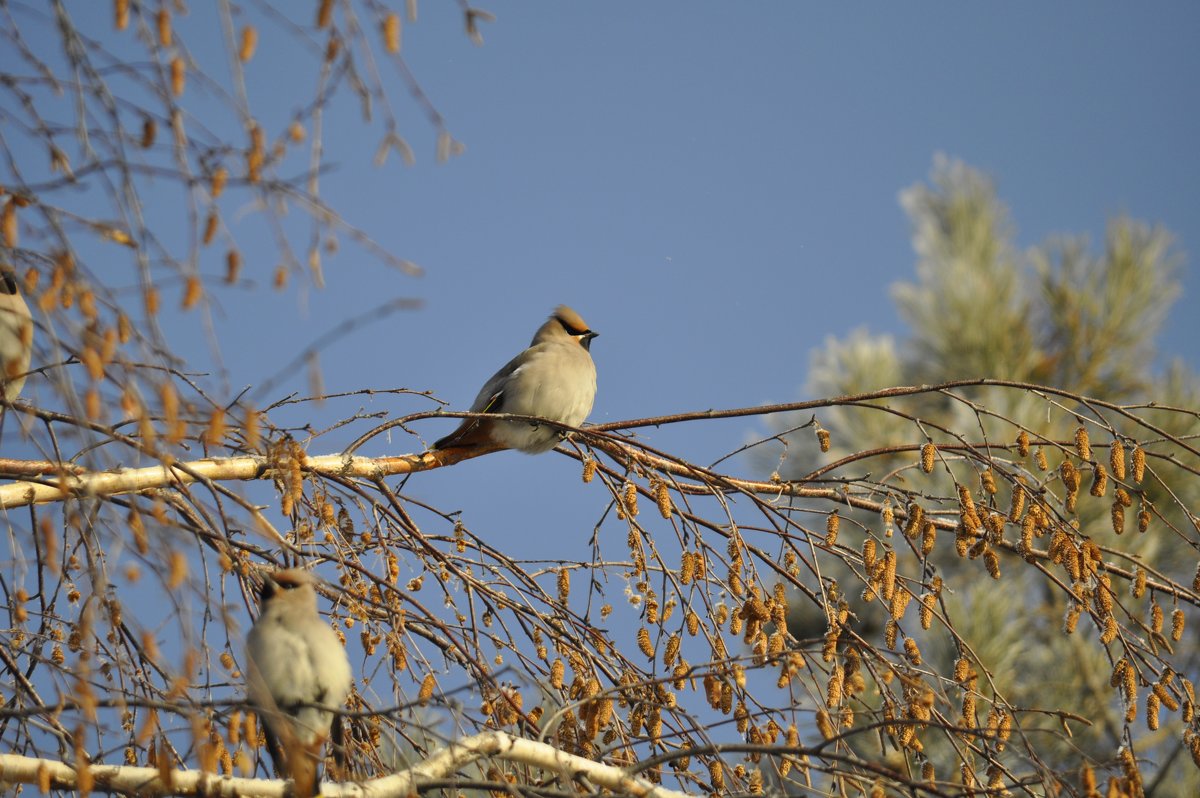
{"x": 16, "y": 336}
{"x": 554, "y": 379}
{"x": 297, "y": 675}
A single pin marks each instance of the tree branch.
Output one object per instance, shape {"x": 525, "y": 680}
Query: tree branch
{"x": 129, "y": 780}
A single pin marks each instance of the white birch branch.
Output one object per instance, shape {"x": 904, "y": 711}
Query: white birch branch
{"x": 110, "y": 483}
{"x": 130, "y": 780}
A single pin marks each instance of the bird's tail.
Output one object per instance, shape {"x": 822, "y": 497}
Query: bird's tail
{"x": 304, "y": 763}
{"x": 471, "y": 433}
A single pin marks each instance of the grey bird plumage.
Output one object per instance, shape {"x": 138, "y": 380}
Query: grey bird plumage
{"x": 295, "y": 660}
{"x": 554, "y": 379}
{"x": 16, "y": 336}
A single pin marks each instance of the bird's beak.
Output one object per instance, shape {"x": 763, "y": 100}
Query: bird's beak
{"x": 586, "y": 340}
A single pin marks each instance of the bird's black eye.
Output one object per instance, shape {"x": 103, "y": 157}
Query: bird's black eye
{"x": 289, "y": 585}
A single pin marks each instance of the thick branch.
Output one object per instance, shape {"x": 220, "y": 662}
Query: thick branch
{"x": 129, "y": 780}
{"x": 111, "y": 483}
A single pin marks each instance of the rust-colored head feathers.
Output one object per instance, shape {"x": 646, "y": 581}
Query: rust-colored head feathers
{"x": 572, "y": 321}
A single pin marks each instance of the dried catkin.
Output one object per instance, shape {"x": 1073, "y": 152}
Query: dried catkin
{"x": 1083, "y": 445}
{"x": 928, "y": 453}
{"x": 1116, "y": 458}
{"x": 831, "y": 528}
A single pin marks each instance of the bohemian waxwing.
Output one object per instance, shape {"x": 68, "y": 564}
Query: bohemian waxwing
{"x": 553, "y": 379}
{"x": 294, "y": 661}
{"x": 16, "y": 336}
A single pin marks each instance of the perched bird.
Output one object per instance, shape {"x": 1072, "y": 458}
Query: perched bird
{"x": 16, "y": 336}
{"x": 294, "y": 663}
{"x": 553, "y": 379}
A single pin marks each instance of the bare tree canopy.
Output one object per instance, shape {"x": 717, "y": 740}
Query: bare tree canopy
{"x": 968, "y": 567}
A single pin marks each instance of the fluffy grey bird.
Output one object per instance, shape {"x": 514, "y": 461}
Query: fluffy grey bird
{"x": 16, "y": 336}
{"x": 554, "y": 379}
{"x": 295, "y": 662}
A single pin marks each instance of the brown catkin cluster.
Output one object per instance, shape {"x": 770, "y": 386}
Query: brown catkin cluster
{"x": 630, "y": 499}
{"x": 1017, "y": 506}
{"x": 662, "y": 497}
{"x": 928, "y": 537}
{"x": 987, "y": 479}
{"x": 564, "y": 585}
{"x": 916, "y": 519}
{"x": 1083, "y": 445}
{"x": 1116, "y": 458}
{"x": 1139, "y": 463}
{"x": 928, "y": 453}
{"x": 1070, "y": 480}
{"x": 643, "y": 640}
{"x": 832, "y": 523}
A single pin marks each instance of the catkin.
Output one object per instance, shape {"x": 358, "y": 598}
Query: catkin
{"x": 564, "y": 585}
{"x": 165, "y": 36}
{"x": 1139, "y": 463}
{"x": 662, "y": 497}
{"x": 1116, "y": 458}
{"x": 1152, "y": 702}
{"x": 928, "y": 537}
{"x": 987, "y": 479}
{"x": 1017, "y": 507}
{"x": 671, "y": 650}
{"x": 831, "y": 528}
{"x": 178, "y": 75}
{"x": 643, "y": 640}
{"x": 426, "y": 692}
{"x": 928, "y": 453}
{"x": 1118, "y": 518}
{"x": 1138, "y": 588}
{"x": 1083, "y": 446}
{"x": 912, "y": 651}
{"x": 824, "y": 725}
{"x": 868, "y": 554}
{"x": 833, "y": 690}
{"x": 992, "y": 561}
{"x": 630, "y": 499}
{"x": 248, "y": 44}
{"x": 916, "y": 519}
{"x": 391, "y": 32}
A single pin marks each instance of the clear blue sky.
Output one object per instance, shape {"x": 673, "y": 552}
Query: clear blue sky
{"x": 713, "y": 186}
{"x": 715, "y": 189}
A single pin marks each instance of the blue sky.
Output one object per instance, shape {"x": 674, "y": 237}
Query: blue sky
{"x": 714, "y": 187}
{"x": 716, "y": 191}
